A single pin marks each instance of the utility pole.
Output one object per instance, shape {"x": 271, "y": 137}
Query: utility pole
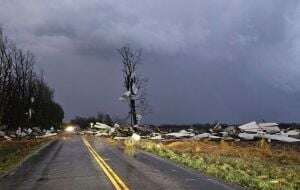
{"x": 30, "y": 111}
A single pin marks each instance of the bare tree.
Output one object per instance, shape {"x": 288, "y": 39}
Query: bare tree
{"x": 6, "y": 64}
{"x": 24, "y": 82}
{"x": 20, "y": 85}
{"x": 134, "y": 85}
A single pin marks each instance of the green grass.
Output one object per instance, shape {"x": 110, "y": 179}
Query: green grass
{"x": 11, "y": 153}
{"x": 253, "y": 170}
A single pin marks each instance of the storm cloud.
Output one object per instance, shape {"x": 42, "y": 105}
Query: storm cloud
{"x": 206, "y": 60}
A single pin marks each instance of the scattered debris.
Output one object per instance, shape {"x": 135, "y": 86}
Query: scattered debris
{"x": 116, "y": 125}
{"x": 124, "y": 131}
{"x": 213, "y": 137}
{"x": 279, "y": 137}
{"x": 248, "y": 131}
{"x": 180, "y": 134}
{"x": 8, "y": 138}
{"x": 121, "y": 138}
{"x": 292, "y": 133}
{"x": 217, "y": 128}
{"x": 27, "y": 133}
{"x": 2, "y": 133}
{"x": 231, "y": 131}
{"x": 269, "y": 127}
{"x": 246, "y": 136}
{"x": 135, "y": 137}
{"x": 47, "y": 135}
{"x": 201, "y": 136}
{"x": 89, "y": 132}
{"x": 101, "y": 126}
{"x": 251, "y": 127}
{"x": 155, "y": 136}
{"x": 101, "y": 134}
{"x": 245, "y": 132}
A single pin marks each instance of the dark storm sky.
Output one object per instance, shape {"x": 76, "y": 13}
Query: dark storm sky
{"x": 232, "y": 61}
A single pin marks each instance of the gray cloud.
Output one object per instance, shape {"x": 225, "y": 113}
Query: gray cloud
{"x": 206, "y": 60}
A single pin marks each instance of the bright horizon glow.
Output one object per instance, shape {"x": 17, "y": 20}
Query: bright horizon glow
{"x": 70, "y": 129}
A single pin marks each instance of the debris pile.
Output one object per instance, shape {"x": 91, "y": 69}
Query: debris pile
{"x": 269, "y": 131}
{"x": 245, "y": 132}
{"x": 26, "y": 133}
{"x": 181, "y": 134}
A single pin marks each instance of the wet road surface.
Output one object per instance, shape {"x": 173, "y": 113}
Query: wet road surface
{"x": 67, "y": 164}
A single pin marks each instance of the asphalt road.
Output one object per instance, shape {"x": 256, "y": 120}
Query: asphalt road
{"x": 69, "y": 164}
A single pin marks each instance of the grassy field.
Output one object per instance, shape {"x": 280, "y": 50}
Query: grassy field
{"x": 253, "y": 166}
{"x": 11, "y": 153}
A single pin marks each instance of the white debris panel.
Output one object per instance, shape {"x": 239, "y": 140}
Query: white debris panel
{"x": 101, "y": 126}
{"x": 250, "y": 127}
{"x": 180, "y": 134}
{"x": 260, "y": 127}
{"x": 280, "y": 137}
{"x": 246, "y": 136}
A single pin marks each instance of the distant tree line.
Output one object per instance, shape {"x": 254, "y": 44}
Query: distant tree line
{"x": 26, "y": 100}
{"x": 84, "y": 122}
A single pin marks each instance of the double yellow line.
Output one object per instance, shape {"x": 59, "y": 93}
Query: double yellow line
{"x": 112, "y": 176}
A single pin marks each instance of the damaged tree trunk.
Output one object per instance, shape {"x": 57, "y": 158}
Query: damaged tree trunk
{"x": 130, "y": 59}
{"x": 133, "y": 113}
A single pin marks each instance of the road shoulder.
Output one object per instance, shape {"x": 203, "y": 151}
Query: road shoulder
{"x": 29, "y": 156}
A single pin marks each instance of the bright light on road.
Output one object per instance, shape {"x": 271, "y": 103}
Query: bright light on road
{"x": 70, "y": 129}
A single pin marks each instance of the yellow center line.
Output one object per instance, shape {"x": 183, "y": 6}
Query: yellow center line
{"x": 111, "y": 175}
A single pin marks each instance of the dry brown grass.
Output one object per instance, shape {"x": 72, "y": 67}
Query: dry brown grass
{"x": 255, "y": 166}
{"x": 262, "y": 150}
{"x": 11, "y": 152}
